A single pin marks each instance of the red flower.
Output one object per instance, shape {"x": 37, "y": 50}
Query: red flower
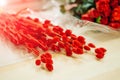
{"x": 115, "y": 25}
{"x": 91, "y": 45}
{"x": 100, "y": 56}
{"x": 49, "y": 67}
{"x": 106, "y": 1}
{"x": 77, "y": 50}
{"x": 68, "y": 51}
{"x": 68, "y": 32}
{"x": 103, "y": 49}
{"x": 96, "y": 0}
{"x": 114, "y": 3}
{"x": 104, "y": 20}
{"x": 87, "y": 48}
{"x": 86, "y": 17}
{"x": 116, "y": 14}
{"x": 38, "y": 62}
{"x": 93, "y": 13}
{"x": 103, "y": 7}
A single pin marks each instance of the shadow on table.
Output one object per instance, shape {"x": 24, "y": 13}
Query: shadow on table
{"x": 102, "y": 37}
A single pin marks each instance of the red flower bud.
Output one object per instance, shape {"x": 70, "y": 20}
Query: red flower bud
{"x": 68, "y": 51}
{"x": 103, "y": 49}
{"x": 99, "y": 56}
{"x": 49, "y": 67}
{"x": 87, "y": 48}
{"x": 68, "y": 32}
{"x": 91, "y": 45}
{"x": 37, "y": 62}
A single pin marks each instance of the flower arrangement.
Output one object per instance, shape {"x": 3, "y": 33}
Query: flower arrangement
{"x": 44, "y": 38}
{"x": 105, "y": 12}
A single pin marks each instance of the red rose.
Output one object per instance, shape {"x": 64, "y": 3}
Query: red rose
{"x": 114, "y": 3}
{"x": 104, "y": 20}
{"x": 93, "y": 13}
{"x": 116, "y": 14}
{"x": 96, "y": 0}
{"x": 86, "y": 17}
{"x": 103, "y": 8}
{"x": 115, "y": 25}
{"x": 106, "y": 1}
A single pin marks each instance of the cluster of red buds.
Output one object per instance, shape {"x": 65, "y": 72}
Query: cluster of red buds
{"x": 45, "y": 58}
{"x": 38, "y": 37}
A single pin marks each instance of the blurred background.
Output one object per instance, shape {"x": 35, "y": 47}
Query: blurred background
{"x": 20, "y": 4}
{"x": 17, "y": 5}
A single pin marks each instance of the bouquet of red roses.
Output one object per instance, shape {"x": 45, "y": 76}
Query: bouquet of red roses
{"x": 105, "y": 12}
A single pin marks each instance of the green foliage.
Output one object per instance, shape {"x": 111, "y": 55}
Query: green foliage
{"x": 98, "y": 19}
{"x": 83, "y": 7}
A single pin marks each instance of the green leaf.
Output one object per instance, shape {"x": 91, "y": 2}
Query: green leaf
{"x": 88, "y": 1}
{"x": 86, "y": 6}
{"x": 77, "y": 16}
{"x": 79, "y": 9}
{"x": 91, "y": 1}
{"x": 82, "y": 7}
{"x": 98, "y": 19}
